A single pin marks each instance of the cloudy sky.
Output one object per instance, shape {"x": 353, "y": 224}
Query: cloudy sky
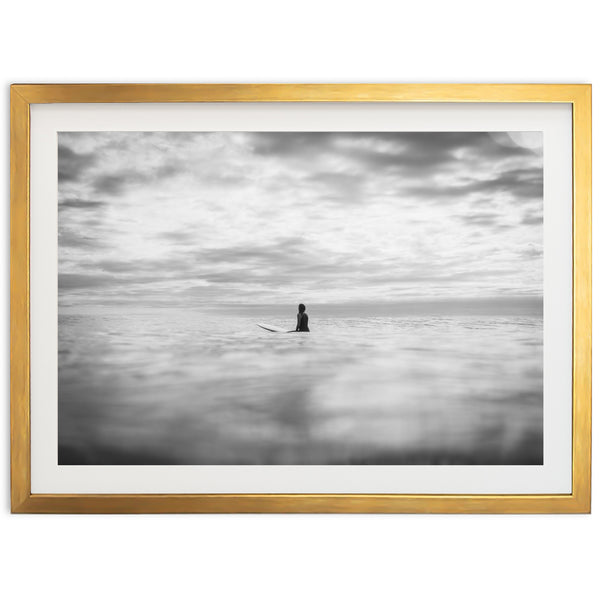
{"x": 207, "y": 219}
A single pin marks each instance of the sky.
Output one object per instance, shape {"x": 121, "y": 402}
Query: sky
{"x": 156, "y": 219}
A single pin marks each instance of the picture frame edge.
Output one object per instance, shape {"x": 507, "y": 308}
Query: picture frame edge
{"x": 23, "y": 501}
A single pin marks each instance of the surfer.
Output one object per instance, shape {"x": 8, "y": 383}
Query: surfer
{"x": 302, "y": 319}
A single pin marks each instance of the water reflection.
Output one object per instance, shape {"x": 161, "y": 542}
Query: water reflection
{"x": 173, "y": 388}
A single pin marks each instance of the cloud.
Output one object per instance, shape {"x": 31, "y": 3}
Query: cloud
{"x": 282, "y": 249}
{"x": 519, "y": 183}
{"x": 169, "y": 218}
{"x": 170, "y": 266}
{"x": 338, "y": 187}
{"x": 532, "y": 220}
{"x": 116, "y": 183}
{"x": 71, "y": 281}
{"x": 71, "y": 164}
{"x": 79, "y": 203}
{"x": 293, "y": 144}
{"x": 177, "y": 237}
{"x": 515, "y": 185}
{"x": 531, "y": 251}
{"x": 73, "y": 239}
{"x": 477, "y": 220}
{"x": 412, "y": 153}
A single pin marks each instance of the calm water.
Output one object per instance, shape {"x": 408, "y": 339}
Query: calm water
{"x": 181, "y": 388}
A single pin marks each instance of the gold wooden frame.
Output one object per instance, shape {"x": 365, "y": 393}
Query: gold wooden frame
{"x": 23, "y": 501}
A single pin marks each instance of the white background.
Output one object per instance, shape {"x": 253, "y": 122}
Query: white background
{"x": 463, "y": 556}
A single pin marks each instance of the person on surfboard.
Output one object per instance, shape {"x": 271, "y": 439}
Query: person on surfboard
{"x": 302, "y": 319}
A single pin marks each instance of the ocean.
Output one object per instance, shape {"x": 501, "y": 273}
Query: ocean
{"x": 198, "y": 387}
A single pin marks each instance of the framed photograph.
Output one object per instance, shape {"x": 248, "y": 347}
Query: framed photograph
{"x": 301, "y": 298}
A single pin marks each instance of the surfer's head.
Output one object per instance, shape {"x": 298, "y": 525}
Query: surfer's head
{"x": 301, "y": 308}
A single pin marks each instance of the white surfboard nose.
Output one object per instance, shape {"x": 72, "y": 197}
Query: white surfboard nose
{"x": 272, "y": 328}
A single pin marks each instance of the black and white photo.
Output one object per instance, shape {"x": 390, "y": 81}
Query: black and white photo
{"x": 300, "y": 298}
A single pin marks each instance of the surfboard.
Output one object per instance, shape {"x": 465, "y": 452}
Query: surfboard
{"x": 274, "y": 328}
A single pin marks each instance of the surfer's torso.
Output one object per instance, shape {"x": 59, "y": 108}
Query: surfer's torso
{"x": 302, "y": 322}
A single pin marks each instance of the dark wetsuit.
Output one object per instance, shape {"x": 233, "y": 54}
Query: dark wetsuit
{"x": 302, "y": 322}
